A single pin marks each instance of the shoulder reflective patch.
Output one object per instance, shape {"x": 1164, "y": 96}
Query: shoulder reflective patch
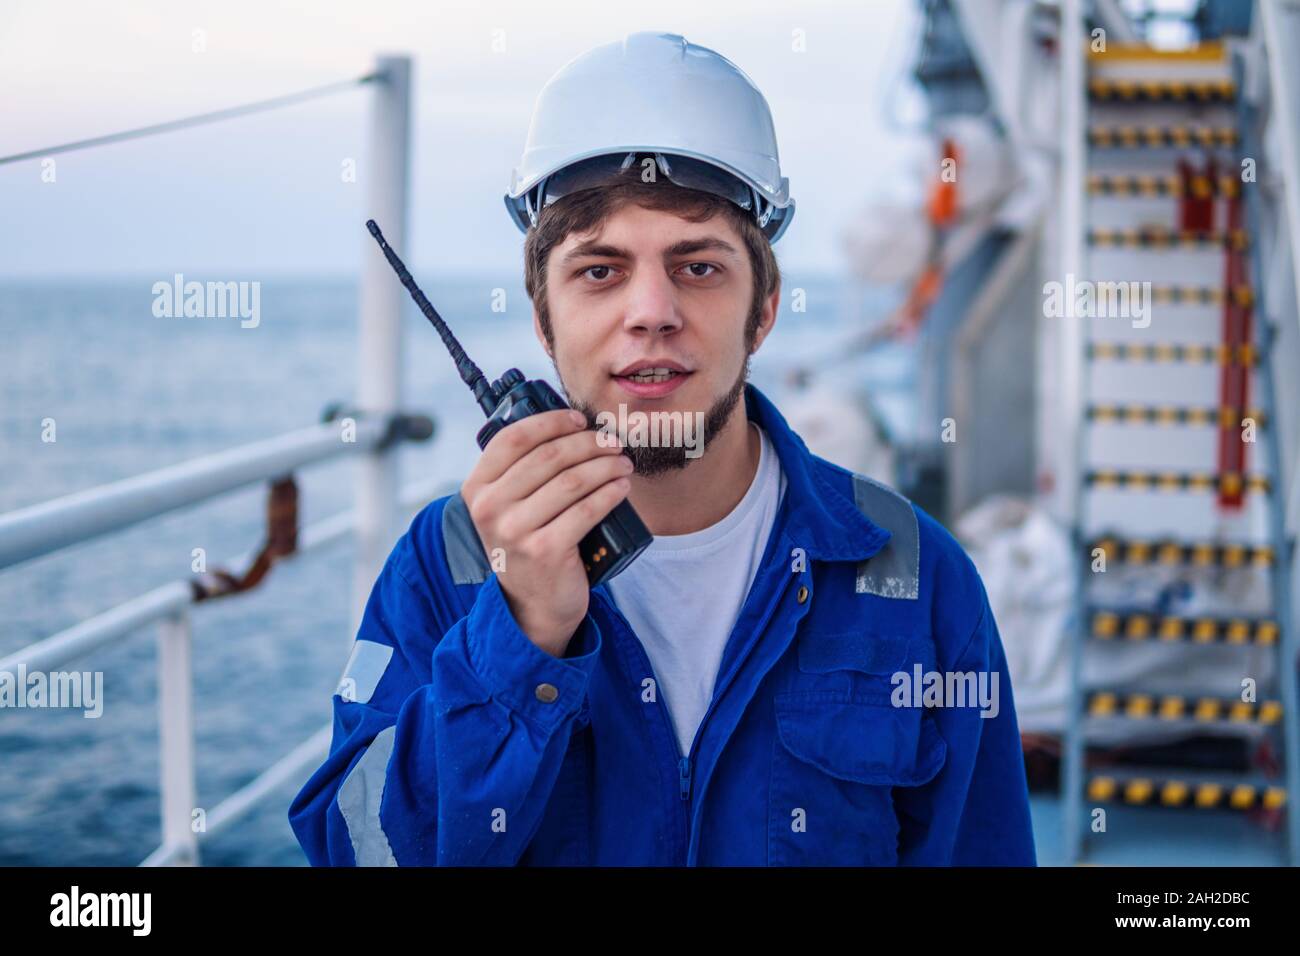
{"x": 465, "y": 556}
{"x": 359, "y": 798}
{"x": 365, "y": 667}
{"x": 894, "y": 571}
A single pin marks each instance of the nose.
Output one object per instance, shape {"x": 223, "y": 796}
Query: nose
{"x": 651, "y": 304}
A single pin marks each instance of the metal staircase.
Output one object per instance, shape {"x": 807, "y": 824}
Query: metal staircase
{"x": 1183, "y": 690}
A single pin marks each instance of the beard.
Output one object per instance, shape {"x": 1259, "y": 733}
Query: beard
{"x": 651, "y": 460}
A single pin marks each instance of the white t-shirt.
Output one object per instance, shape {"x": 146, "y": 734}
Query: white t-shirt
{"x": 683, "y": 594}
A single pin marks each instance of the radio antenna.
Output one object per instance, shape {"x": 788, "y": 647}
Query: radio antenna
{"x": 470, "y": 374}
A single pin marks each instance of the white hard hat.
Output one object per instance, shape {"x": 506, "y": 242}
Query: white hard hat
{"x": 702, "y": 119}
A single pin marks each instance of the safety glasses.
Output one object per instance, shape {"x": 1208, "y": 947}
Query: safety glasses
{"x": 679, "y": 170}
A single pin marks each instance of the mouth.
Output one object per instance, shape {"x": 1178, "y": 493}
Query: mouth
{"x": 651, "y": 378}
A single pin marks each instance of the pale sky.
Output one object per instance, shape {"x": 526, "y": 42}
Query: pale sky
{"x": 264, "y": 195}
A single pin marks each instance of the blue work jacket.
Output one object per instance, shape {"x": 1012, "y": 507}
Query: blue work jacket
{"x": 457, "y": 741}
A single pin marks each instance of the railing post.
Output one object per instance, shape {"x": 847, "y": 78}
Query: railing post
{"x": 1281, "y": 32}
{"x": 1072, "y": 448}
{"x": 1073, "y": 79}
{"x": 176, "y": 736}
{"x": 379, "y": 387}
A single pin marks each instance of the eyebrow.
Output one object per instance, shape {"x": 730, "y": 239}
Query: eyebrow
{"x": 686, "y": 247}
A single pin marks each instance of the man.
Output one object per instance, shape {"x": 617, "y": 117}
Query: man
{"x": 802, "y": 668}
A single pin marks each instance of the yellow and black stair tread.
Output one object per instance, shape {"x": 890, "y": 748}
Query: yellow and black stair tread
{"x": 1225, "y": 483}
{"x": 1177, "y": 553}
{"x": 1162, "y": 237}
{"x": 1223, "y": 417}
{"x": 1172, "y": 789}
{"x": 1159, "y": 137}
{"x": 1205, "y": 709}
{"x": 1140, "y": 184}
{"x": 1174, "y": 352}
{"x": 1212, "y": 54}
{"x": 1106, "y": 624}
{"x": 1106, "y": 89}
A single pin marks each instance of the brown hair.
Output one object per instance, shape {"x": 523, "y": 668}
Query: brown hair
{"x": 588, "y": 209}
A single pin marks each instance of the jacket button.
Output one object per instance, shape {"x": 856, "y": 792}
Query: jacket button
{"x": 802, "y": 595}
{"x": 546, "y": 693}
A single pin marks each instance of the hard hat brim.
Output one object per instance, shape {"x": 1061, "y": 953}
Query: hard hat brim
{"x": 692, "y": 174}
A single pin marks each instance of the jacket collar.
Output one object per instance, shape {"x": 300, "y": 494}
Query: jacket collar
{"x": 819, "y": 517}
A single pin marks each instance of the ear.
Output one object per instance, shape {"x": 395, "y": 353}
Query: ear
{"x": 537, "y": 331}
{"x": 767, "y": 321}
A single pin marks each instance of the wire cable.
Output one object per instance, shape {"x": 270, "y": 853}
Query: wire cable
{"x": 213, "y": 117}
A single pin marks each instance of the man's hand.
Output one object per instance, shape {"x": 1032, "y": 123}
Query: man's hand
{"x": 540, "y": 486}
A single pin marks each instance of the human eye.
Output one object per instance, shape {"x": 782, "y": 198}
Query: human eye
{"x": 691, "y": 268}
{"x": 597, "y": 273}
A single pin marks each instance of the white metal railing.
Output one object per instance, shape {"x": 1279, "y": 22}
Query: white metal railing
{"x": 1071, "y": 225}
{"x": 52, "y": 525}
{"x": 42, "y": 529}
{"x": 1068, "y": 454}
{"x": 169, "y": 607}
{"x": 379, "y": 385}
{"x": 180, "y": 841}
{"x": 1281, "y": 32}
{"x": 105, "y": 628}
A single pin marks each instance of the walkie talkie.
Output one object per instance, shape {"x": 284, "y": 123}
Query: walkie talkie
{"x": 614, "y": 543}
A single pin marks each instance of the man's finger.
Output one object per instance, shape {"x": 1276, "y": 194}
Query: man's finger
{"x": 579, "y": 518}
{"x": 519, "y": 438}
{"x": 561, "y": 492}
{"x": 547, "y": 460}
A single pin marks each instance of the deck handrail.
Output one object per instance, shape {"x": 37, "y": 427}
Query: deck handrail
{"x": 40, "y": 529}
{"x": 380, "y": 426}
{"x": 122, "y": 619}
{"x": 170, "y": 604}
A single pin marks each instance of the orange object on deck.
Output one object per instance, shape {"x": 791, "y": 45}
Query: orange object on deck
{"x": 942, "y": 205}
{"x": 924, "y": 291}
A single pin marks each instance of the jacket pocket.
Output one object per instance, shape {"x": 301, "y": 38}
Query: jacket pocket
{"x": 837, "y": 756}
{"x": 850, "y": 666}
{"x": 824, "y": 653}
{"x": 860, "y": 742}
